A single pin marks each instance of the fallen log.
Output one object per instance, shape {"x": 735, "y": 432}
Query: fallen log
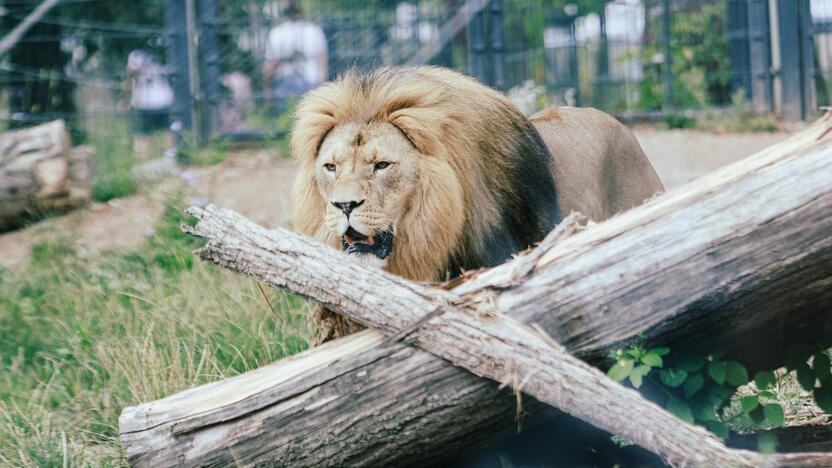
{"x": 706, "y": 266}
{"x": 39, "y": 172}
{"x": 801, "y": 438}
{"x": 467, "y": 331}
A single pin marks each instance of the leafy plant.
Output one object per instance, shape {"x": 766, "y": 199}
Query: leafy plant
{"x": 700, "y": 389}
{"x": 701, "y": 67}
{"x": 812, "y": 367}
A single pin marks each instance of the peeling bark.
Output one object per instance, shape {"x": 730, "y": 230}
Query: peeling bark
{"x": 742, "y": 253}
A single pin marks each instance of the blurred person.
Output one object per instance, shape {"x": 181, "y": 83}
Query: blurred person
{"x": 151, "y": 98}
{"x": 296, "y": 59}
{"x": 236, "y": 104}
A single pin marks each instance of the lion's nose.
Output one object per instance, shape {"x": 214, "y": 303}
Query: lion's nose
{"x": 347, "y": 206}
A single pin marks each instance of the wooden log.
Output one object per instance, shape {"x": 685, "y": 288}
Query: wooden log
{"x": 467, "y": 331}
{"x": 802, "y": 438}
{"x": 40, "y": 172}
{"x": 709, "y": 265}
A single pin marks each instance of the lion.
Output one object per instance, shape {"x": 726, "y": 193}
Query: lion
{"x": 427, "y": 173}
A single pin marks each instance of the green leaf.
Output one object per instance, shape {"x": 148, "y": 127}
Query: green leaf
{"x": 765, "y": 379}
{"x": 767, "y": 442}
{"x": 757, "y": 415}
{"x": 768, "y": 394}
{"x": 652, "y": 360}
{"x": 680, "y": 409}
{"x": 806, "y": 377}
{"x": 660, "y": 351}
{"x": 735, "y": 373}
{"x": 721, "y": 430}
{"x": 716, "y": 356}
{"x": 638, "y": 374}
{"x": 621, "y": 370}
{"x": 635, "y": 352}
{"x": 705, "y": 411}
{"x": 773, "y": 413}
{"x": 719, "y": 395}
{"x": 717, "y": 372}
{"x": 797, "y": 355}
{"x": 749, "y": 403}
{"x": 823, "y": 397}
{"x": 673, "y": 377}
{"x": 691, "y": 364}
{"x": 693, "y": 384}
{"x": 821, "y": 366}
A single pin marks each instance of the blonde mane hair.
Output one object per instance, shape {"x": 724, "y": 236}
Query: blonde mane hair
{"x": 498, "y": 196}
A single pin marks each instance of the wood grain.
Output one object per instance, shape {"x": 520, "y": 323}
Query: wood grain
{"x": 742, "y": 259}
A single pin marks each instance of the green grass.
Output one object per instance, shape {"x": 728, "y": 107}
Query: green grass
{"x": 741, "y": 119}
{"x": 208, "y": 155}
{"x": 81, "y": 338}
{"x": 114, "y": 159}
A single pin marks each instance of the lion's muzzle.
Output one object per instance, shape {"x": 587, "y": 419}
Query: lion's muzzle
{"x": 380, "y": 244}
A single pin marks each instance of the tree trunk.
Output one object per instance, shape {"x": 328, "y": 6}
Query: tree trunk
{"x": 39, "y": 172}
{"x": 744, "y": 252}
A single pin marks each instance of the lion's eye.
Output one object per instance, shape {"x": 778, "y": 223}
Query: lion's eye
{"x": 381, "y": 165}
{"x": 330, "y": 167}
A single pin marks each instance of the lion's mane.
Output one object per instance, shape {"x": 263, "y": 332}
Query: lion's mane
{"x": 500, "y": 166}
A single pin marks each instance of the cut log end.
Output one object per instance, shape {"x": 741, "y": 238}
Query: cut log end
{"x": 39, "y": 172}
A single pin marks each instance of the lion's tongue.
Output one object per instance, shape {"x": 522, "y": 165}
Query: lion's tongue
{"x": 352, "y": 236}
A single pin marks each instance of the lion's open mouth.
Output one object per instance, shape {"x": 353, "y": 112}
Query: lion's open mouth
{"x": 379, "y": 245}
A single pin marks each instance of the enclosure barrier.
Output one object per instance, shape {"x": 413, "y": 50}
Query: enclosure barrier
{"x": 743, "y": 252}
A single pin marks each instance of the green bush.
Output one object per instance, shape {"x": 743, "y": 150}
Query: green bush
{"x": 703, "y": 390}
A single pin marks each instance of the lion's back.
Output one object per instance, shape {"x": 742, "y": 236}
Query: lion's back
{"x": 598, "y": 166}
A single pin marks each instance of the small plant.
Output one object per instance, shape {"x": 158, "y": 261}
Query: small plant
{"x": 112, "y": 185}
{"x": 703, "y": 389}
{"x": 679, "y": 121}
{"x": 214, "y": 153}
{"x": 813, "y": 373}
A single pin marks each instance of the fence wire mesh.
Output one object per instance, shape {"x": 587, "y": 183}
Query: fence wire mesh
{"x": 628, "y": 57}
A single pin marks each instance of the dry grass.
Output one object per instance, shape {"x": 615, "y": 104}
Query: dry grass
{"x": 82, "y": 338}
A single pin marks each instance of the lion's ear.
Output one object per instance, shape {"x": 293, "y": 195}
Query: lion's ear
{"x": 419, "y": 126}
{"x": 315, "y": 117}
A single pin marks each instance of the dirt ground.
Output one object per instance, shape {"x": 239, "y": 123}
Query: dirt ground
{"x": 258, "y": 185}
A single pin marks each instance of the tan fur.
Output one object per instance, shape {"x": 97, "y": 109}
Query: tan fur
{"x": 443, "y": 114}
{"x": 451, "y": 143}
{"x": 599, "y": 168}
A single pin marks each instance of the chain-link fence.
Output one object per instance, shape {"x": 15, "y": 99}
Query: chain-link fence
{"x": 628, "y": 57}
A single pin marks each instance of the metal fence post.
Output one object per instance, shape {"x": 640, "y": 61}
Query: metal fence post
{"x": 497, "y": 42}
{"x": 750, "y": 51}
{"x": 807, "y": 58}
{"x": 209, "y": 66}
{"x": 573, "y": 58}
{"x": 601, "y": 90}
{"x": 475, "y": 33}
{"x": 795, "y": 53}
{"x": 177, "y": 51}
{"x": 667, "y": 52}
{"x": 197, "y": 127}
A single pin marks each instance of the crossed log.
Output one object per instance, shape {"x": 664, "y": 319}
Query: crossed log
{"x": 740, "y": 260}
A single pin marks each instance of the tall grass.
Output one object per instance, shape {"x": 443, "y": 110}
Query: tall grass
{"x": 81, "y": 338}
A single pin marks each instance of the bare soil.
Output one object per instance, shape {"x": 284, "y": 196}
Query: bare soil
{"x": 258, "y": 185}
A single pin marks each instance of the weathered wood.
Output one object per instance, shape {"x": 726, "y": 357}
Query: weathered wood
{"x": 708, "y": 265}
{"x": 467, "y": 331}
{"x": 802, "y": 438}
{"x": 40, "y": 172}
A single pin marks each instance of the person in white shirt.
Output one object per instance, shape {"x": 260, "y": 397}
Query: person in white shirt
{"x": 151, "y": 98}
{"x": 296, "y": 58}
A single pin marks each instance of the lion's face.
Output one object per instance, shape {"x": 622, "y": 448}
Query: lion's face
{"x": 367, "y": 174}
